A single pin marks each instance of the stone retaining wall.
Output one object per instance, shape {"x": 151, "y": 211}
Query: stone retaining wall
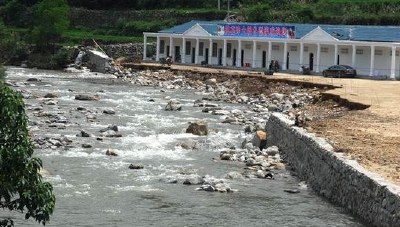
{"x": 130, "y": 50}
{"x": 334, "y": 176}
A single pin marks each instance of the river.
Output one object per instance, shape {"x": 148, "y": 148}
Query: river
{"x": 93, "y": 189}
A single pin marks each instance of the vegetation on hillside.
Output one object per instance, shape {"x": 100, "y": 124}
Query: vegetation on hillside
{"x": 21, "y": 189}
{"x": 51, "y": 21}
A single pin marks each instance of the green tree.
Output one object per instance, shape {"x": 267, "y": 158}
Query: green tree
{"x": 21, "y": 187}
{"x": 51, "y": 21}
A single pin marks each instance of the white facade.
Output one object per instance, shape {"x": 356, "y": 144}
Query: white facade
{"x": 317, "y": 50}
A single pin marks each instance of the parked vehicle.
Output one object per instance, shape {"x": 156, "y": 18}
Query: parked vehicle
{"x": 166, "y": 61}
{"x": 306, "y": 70}
{"x": 339, "y": 71}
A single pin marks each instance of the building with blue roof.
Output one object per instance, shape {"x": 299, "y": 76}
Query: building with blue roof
{"x": 368, "y": 49}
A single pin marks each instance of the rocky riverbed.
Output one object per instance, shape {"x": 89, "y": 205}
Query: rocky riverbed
{"x": 117, "y": 152}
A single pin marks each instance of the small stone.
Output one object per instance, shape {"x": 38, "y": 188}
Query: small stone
{"x": 51, "y": 95}
{"x": 83, "y": 134}
{"x": 292, "y": 191}
{"x": 33, "y": 80}
{"x": 109, "y": 111}
{"x": 111, "y": 152}
{"x": 85, "y": 145}
{"x": 86, "y": 97}
{"x": 136, "y": 166}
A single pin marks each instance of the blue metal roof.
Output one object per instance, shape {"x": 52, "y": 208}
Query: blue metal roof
{"x": 341, "y": 32}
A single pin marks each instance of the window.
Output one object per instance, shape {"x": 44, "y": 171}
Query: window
{"x": 378, "y": 52}
{"x": 188, "y": 47}
{"x": 162, "y": 46}
{"x": 324, "y": 49}
{"x": 305, "y": 49}
{"x": 397, "y": 53}
{"x": 201, "y": 48}
{"x": 275, "y": 47}
{"x": 293, "y": 48}
{"x": 215, "y": 50}
{"x": 228, "y": 50}
{"x": 344, "y": 50}
{"x": 359, "y": 51}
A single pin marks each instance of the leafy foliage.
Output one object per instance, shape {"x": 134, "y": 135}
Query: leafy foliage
{"x": 51, "y": 22}
{"x": 2, "y": 73}
{"x": 21, "y": 187}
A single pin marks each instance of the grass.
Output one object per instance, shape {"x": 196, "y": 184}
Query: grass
{"x": 78, "y": 37}
{"x": 81, "y": 35}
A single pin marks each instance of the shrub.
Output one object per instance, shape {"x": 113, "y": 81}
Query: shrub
{"x": 21, "y": 187}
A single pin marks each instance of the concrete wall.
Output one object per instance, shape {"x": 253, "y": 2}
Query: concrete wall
{"x": 334, "y": 176}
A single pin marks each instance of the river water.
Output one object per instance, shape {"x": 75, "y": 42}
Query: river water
{"x": 93, "y": 189}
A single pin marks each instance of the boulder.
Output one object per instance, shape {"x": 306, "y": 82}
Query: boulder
{"x": 83, "y": 134}
{"x": 51, "y": 95}
{"x": 230, "y": 120}
{"x": 136, "y": 166}
{"x": 173, "y": 105}
{"x": 109, "y": 111}
{"x": 110, "y": 127}
{"x": 277, "y": 96}
{"x": 111, "y": 152}
{"x": 33, "y": 80}
{"x": 85, "y": 145}
{"x": 259, "y": 139}
{"x": 211, "y": 82}
{"x": 199, "y": 103}
{"x": 85, "y": 97}
{"x": 272, "y": 151}
{"x": 199, "y": 128}
{"x": 194, "y": 180}
{"x": 98, "y": 61}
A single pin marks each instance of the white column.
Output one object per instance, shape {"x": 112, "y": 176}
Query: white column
{"x": 393, "y": 68}
{"x": 224, "y": 53}
{"x": 253, "y": 64}
{"x": 239, "y": 54}
{"x": 318, "y": 58}
{"x": 171, "y": 44}
{"x": 336, "y": 55}
{"x": 284, "y": 56}
{"x": 371, "y": 71}
{"x": 144, "y": 47}
{"x": 183, "y": 55}
{"x": 269, "y": 53}
{"x": 210, "y": 50}
{"x": 353, "y": 56}
{"x": 158, "y": 49}
{"x": 196, "y": 57}
{"x": 301, "y": 54}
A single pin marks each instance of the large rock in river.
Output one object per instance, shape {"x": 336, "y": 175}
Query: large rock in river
{"x": 173, "y": 105}
{"x": 260, "y": 139}
{"x": 199, "y": 128}
{"x": 86, "y": 97}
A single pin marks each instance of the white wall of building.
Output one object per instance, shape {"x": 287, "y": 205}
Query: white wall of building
{"x": 382, "y": 55}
